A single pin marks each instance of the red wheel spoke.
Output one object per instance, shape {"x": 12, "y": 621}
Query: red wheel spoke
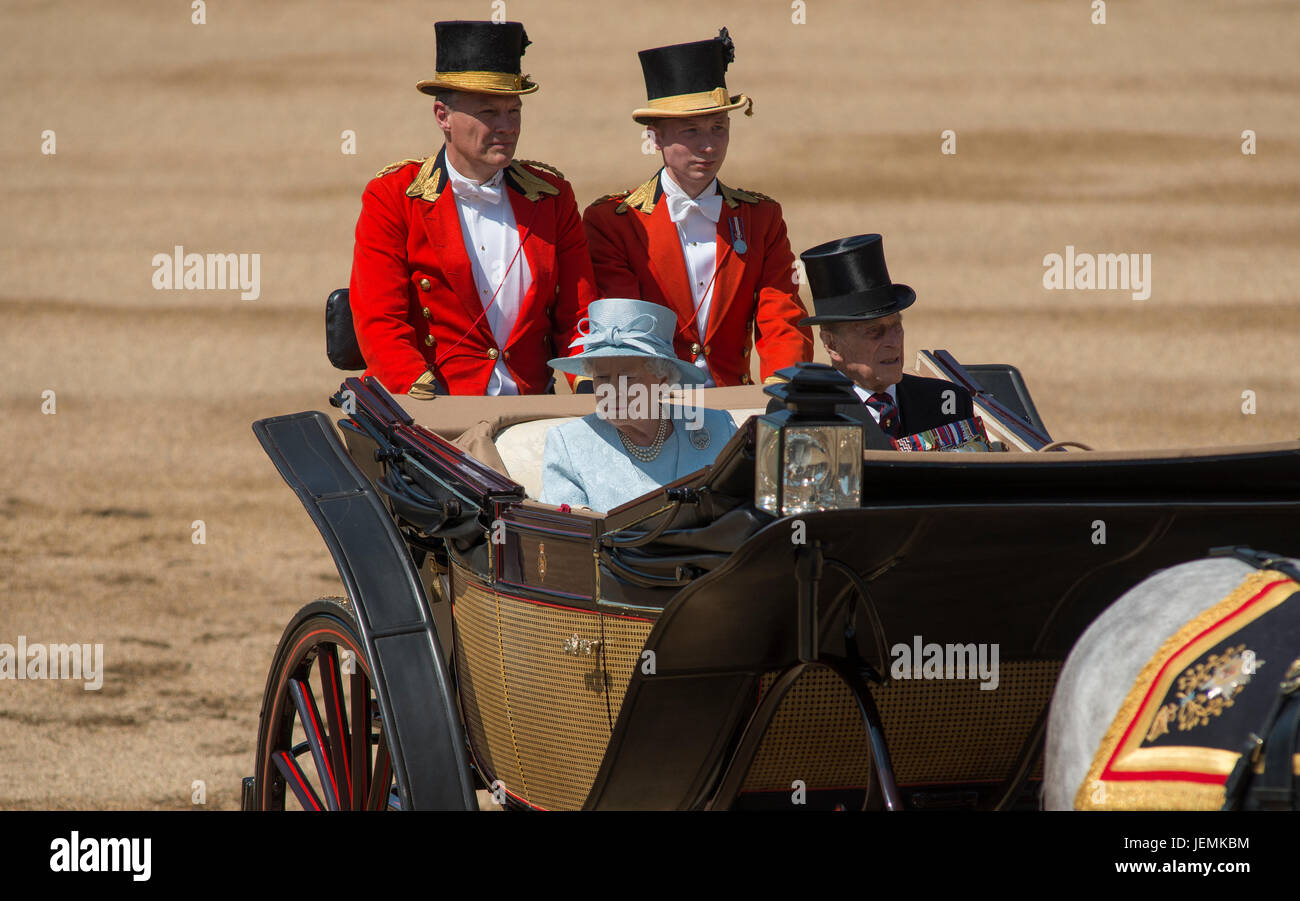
{"x": 359, "y": 716}
{"x": 327, "y": 661}
{"x": 296, "y": 780}
{"x": 302, "y": 699}
{"x": 378, "y": 799}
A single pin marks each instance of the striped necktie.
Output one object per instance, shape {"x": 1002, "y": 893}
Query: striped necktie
{"x": 883, "y": 404}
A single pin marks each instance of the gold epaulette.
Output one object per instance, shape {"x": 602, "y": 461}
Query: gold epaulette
{"x": 531, "y": 185}
{"x": 549, "y": 168}
{"x": 617, "y": 195}
{"x": 641, "y": 198}
{"x": 735, "y": 196}
{"x": 393, "y": 167}
{"x": 426, "y": 185}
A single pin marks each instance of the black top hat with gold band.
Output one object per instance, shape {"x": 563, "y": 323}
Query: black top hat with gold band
{"x": 479, "y": 57}
{"x": 849, "y": 282}
{"x": 683, "y": 80}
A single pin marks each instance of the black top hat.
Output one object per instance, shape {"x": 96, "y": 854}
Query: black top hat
{"x": 849, "y": 282}
{"x": 683, "y": 80}
{"x": 480, "y": 57}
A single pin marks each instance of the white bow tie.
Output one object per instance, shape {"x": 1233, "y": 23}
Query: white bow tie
{"x": 680, "y": 206}
{"x": 489, "y": 192}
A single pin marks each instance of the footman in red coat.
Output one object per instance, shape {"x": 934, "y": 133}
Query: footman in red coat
{"x": 470, "y": 269}
{"x": 719, "y": 257}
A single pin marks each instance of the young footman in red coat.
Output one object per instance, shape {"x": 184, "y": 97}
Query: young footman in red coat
{"x": 719, "y": 257}
{"x": 470, "y": 269}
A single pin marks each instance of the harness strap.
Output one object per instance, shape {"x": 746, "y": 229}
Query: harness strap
{"x": 1259, "y": 560}
{"x": 1277, "y": 788}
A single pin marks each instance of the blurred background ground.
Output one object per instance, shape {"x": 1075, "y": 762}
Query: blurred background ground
{"x": 225, "y": 137}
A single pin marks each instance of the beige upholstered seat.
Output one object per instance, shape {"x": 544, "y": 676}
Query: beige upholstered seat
{"x": 521, "y": 447}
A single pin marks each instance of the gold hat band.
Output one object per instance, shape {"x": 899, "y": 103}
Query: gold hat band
{"x": 484, "y": 81}
{"x": 682, "y": 103}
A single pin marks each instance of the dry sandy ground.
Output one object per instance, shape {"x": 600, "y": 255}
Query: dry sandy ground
{"x": 225, "y": 137}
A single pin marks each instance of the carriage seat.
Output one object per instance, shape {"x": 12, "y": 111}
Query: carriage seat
{"x": 521, "y": 447}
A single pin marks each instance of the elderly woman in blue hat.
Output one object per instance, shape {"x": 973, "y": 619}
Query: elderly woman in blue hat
{"x": 634, "y": 442}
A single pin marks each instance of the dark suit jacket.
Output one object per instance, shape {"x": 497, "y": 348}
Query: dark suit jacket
{"x": 920, "y": 407}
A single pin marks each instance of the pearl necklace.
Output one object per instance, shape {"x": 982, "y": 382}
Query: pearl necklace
{"x": 646, "y": 454}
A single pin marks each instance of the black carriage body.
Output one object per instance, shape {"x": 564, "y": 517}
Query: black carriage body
{"x": 675, "y": 673}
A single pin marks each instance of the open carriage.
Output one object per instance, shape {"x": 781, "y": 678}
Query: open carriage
{"x": 692, "y": 649}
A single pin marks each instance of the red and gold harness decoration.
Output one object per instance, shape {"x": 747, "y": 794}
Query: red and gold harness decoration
{"x": 1147, "y": 761}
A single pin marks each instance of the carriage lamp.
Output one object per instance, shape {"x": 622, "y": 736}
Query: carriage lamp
{"x": 809, "y": 457}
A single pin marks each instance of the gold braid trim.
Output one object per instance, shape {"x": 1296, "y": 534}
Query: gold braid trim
{"x": 422, "y": 388}
{"x": 1167, "y": 795}
{"x": 426, "y": 182}
{"x": 735, "y": 196}
{"x": 393, "y": 167}
{"x": 484, "y": 81}
{"x": 532, "y": 186}
{"x": 617, "y": 195}
{"x": 641, "y": 198}
{"x": 547, "y": 166}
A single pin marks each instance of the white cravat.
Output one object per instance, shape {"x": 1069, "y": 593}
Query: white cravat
{"x": 863, "y": 393}
{"x": 487, "y": 224}
{"x": 697, "y": 227}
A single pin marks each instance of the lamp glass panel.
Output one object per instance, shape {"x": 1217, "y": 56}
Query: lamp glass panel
{"x": 822, "y": 469}
{"x": 767, "y": 468}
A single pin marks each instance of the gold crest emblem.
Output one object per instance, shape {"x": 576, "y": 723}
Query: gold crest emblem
{"x": 1205, "y": 690}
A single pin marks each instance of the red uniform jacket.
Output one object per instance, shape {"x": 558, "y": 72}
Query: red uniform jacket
{"x": 415, "y": 306}
{"x": 637, "y": 253}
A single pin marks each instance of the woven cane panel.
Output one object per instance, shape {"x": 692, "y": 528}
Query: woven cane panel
{"x": 816, "y": 736}
{"x": 939, "y": 731}
{"x": 538, "y": 717}
{"x": 558, "y": 701}
{"x": 950, "y": 731}
{"x": 624, "y": 641}
{"x": 481, "y": 684}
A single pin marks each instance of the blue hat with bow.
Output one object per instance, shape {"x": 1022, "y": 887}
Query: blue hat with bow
{"x": 620, "y": 327}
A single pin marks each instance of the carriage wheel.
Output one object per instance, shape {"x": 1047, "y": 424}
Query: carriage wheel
{"x": 321, "y": 744}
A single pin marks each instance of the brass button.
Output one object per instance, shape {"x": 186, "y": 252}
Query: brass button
{"x": 706, "y": 350}
{"x": 425, "y": 284}
{"x": 428, "y": 340}
{"x": 428, "y": 315}
{"x": 744, "y": 379}
{"x": 506, "y": 355}
{"x": 493, "y": 353}
{"x": 695, "y": 349}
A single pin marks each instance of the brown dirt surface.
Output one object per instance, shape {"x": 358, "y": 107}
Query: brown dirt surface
{"x": 225, "y": 137}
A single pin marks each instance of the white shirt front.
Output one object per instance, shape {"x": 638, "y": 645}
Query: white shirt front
{"x": 492, "y": 239}
{"x": 863, "y": 393}
{"x": 699, "y": 236}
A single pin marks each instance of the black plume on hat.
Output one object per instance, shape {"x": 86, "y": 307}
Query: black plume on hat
{"x": 728, "y": 47}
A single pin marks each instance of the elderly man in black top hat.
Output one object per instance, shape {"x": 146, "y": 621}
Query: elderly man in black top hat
{"x": 859, "y": 311}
